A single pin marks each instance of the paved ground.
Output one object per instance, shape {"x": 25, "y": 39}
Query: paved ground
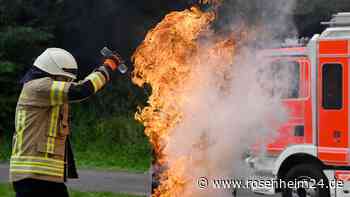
{"x": 90, "y": 180}
{"x": 118, "y": 182}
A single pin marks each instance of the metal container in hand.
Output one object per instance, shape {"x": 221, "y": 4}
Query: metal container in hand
{"x": 107, "y": 53}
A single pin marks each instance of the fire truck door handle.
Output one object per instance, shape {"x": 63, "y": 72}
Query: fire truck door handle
{"x": 337, "y": 135}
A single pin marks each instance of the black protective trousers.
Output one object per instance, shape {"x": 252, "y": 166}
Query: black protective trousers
{"x": 39, "y": 188}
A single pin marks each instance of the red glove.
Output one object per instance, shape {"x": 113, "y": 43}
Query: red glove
{"x": 111, "y": 64}
{"x": 113, "y": 61}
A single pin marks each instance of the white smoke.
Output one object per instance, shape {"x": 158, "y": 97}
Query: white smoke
{"x": 220, "y": 125}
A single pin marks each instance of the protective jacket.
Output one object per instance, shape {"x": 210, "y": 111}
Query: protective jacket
{"x": 40, "y": 146}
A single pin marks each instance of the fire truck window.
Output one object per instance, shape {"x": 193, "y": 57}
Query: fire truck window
{"x": 286, "y": 79}
{"x": 332, "y": 86}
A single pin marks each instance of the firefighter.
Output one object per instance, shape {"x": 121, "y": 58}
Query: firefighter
{"x": 42, "y": 158}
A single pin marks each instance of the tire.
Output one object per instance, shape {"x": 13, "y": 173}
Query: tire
{"x": 311, "y": 173}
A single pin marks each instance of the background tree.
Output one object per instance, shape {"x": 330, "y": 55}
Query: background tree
{"x": 23, "y": 34}
{"x": 103, "y": 127}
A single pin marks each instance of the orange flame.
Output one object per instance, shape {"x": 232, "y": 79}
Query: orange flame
{"x": 166, "y": 60}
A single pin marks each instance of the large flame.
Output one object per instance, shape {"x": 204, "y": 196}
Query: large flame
{"x": 168, "y": 60}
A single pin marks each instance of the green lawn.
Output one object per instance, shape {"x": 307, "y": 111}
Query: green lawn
{"x": 119, "y": 159}
{"x": 117, "y": 142}
{"x": 7, "y": 191}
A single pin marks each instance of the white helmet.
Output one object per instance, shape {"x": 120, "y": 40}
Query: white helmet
{"x": 56, "y": 61}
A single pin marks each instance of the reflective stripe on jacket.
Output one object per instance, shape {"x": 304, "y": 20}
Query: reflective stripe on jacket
{"x": 41, "y": 131}
{"x": 42, "y": 128}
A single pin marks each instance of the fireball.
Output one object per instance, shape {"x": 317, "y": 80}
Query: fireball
{"x": 170, "y": 60}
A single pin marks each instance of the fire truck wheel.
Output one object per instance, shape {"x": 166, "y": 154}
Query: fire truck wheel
{"x": 306, "y": 180}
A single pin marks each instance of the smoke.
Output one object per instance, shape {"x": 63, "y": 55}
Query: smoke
{"x": 224, "y": 117}
{"x": 272, "y": 19}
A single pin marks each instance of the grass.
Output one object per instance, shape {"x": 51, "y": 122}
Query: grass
{"x": 7, "y": 191}
{"x": 116, "y": 143}
{"x": 120, "y": 158}
{"x": 118, "y": 163}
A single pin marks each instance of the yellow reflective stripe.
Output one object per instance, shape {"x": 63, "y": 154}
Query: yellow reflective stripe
{"x": 13, "y": 166}
{"x": 102, "y": 79}
{"x": 20, "y": 127}
{"x": 53, "y": 169}
{"x": 54, "y": 120}
{"x": 21, "y": 130}
{"x": 32, "y": 163}
{"x": 97, "y": 79}
{"x": 14, "y": 148}
{"x": 99, "y": 82}
{"x": 95, "y": 82}
{"x": 50, "y": 145}
{"x": 56, "y": 93}
{"x": 18, "y": 115}
{"x": 53, "y": 92}
{"x": 56, "y": 111}
{"x": 36, "y": 172}
{"x": 36, "y": 158}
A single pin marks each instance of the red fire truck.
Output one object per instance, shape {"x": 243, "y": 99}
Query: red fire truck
{"x": 313, "y": 145}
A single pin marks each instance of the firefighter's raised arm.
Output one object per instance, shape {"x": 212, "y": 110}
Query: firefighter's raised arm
{"x": 50, "y": 82}
{"x": 93, "y": 82}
